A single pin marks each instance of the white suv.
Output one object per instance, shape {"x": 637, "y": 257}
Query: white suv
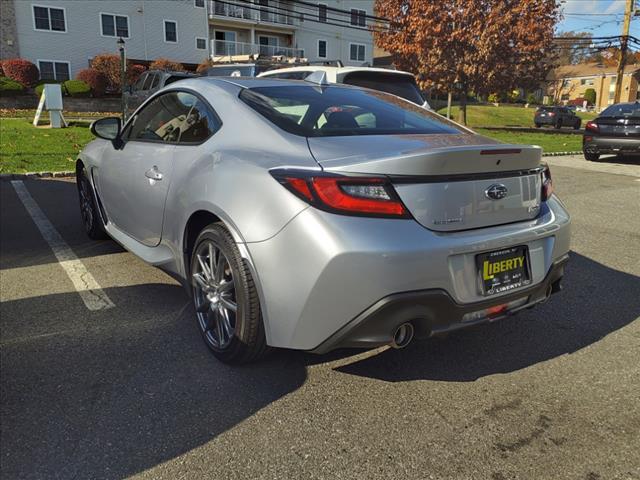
{"x": 396, "y": 82}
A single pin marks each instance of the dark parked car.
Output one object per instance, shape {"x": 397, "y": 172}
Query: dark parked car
{"x": 556, "y": 116}
{"x": 616, "y": 130}
{"x": 150, "y": 82}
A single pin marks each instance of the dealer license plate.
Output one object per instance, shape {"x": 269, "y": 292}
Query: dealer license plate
{"x": 503, "y": 270}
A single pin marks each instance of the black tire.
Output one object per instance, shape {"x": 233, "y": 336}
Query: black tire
{"x": 591, "y": 157}
{"x": 576, "y": 126}
{"x": 91, "y": 219}
{"x": 538, "y": 125}
{"x": 558, "y": 124}
{"x": 247, "y": 342}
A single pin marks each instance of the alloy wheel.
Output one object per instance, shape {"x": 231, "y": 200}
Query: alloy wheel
{"x": 215, "y": 295}
{"x": 86, "y": 205}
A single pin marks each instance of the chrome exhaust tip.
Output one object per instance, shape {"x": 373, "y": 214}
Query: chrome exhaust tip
{"x": 402, "y": 335}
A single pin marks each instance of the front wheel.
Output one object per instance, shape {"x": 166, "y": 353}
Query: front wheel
{"x": 89, "y": 212}
{"x": 576, "y": 126}
{"x": 225, "y": 298}
{"x": 558, "y": 124}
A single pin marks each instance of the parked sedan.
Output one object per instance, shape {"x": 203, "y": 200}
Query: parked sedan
{"x": 616, "y": 130}
{"x": 315, "y": 217}
{"x": 556, "y": 116}
{"x": 149, "y": 83}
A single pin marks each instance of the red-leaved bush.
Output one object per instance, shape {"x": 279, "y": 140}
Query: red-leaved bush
{"x": 133, "y": 73}
{"x": 109, "y": 65}
{"x": 166, "y": 65}
{"x": 95, "y": 79}
{"x": 21, "y": 70}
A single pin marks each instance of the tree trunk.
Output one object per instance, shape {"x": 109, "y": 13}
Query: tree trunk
{"x": 462, "y": 112}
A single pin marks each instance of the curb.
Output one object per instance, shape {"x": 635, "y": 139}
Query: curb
{"x": 35, "y": 175}
{"x": 559, "y": 154}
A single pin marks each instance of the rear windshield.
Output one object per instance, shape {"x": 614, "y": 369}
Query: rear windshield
{"x": 401, "y": 85}
{"x": 175, "y": 78}
{"x": 622, "y": 110}
{"x": 311, "y": 111}
{"x": 546, "y": 109}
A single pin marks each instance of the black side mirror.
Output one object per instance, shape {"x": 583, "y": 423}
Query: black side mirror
{"x": 109, "y": 129}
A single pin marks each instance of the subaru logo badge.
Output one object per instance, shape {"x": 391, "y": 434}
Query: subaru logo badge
{"x": 497, "y": 191}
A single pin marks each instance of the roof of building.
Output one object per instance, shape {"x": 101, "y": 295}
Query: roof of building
{"x": 588, "y": 69}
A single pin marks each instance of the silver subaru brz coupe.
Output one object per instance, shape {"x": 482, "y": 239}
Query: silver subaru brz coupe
{"x": 311, "y": 216}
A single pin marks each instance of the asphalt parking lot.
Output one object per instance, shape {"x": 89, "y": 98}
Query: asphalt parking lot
{"x": 132, "y": 391}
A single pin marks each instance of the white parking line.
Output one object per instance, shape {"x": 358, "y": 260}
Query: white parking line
{"x": 86, "y": 286}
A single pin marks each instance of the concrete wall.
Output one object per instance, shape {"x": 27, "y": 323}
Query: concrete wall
{"x": 83, "y": 38}
{"x": 70, "y": 104}
{"x": 8, "y": 34}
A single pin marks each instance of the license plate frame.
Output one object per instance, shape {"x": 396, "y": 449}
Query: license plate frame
{"x": 508, "y": 269}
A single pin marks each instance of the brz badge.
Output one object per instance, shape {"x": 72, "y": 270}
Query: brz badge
{"x": 497, "y": 191}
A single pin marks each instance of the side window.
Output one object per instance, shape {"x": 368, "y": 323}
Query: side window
{"x": 147, "y": 82}
{"x": 156, "y": 81}
{"x": 138, "y": 85}
{"x": 200, "y": 122}
{"x": 174, "y": 117}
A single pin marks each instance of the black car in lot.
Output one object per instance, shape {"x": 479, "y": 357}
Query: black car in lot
{"x": 556, "y": 116}
{"x": 616, "y": 130}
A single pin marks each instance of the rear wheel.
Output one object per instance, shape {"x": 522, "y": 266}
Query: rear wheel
{"x": 90, "y": 215}
{"x": 576, "y": 126}
{"x": 538, "y": 125}
{"x": 592, "y": 157}
{"x": 558, "y": 124}
{"x": 225, "y": 298}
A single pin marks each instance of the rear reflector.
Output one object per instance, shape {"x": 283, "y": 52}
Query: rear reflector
{"x": 495, "y": 311}
{"x": 368, "y": 196}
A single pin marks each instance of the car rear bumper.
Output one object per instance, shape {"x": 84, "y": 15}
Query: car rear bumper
{"x": 433, "y": 312}
{"x": 322, "y": 271}
{"x": 545, "y": 121}
{"x": 603, "y": 145}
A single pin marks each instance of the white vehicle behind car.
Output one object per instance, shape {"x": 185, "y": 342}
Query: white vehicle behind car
{"x": 396, "y": 82}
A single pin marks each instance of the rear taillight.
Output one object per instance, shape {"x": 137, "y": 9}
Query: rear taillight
{"x": 368, "y": 196}
{"x": 551, "y": 114}
{"x": 591, "y": 126}
{"x": 547, "y": 184}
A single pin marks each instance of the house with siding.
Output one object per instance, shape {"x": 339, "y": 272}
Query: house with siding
{"x": 62, "y": 36}
{"x": 569, "y": 82}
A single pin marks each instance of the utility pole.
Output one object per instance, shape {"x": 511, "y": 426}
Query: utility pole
{"x": 624, "y": 40}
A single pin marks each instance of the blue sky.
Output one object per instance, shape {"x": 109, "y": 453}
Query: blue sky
{"x": 600, "y": 17}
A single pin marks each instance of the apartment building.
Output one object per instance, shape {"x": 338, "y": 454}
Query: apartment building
{"x": 569, "y": 82}
{"x": 62, "y": 36}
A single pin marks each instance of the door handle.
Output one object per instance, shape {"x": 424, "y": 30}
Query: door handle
{"x": 153, "y": 173}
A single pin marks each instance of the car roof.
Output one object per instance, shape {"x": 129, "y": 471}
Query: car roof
{"x": 227, "y": 65}
{"x": 328, "y": 68}
{"x": 252, "y": 82}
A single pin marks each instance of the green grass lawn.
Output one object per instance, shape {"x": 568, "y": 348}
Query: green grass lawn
{"x": 503, "y": 116}
{"x": 25, "y": 148}
{"x": 559, "y": 142}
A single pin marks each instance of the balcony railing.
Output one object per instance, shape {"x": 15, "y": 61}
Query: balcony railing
{"x": 227, "y": 48}
{"x": 268, "y": 11}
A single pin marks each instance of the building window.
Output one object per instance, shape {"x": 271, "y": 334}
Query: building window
{"x": 51, "y": 70}
{"x": 322, "y": 13}
{"x": 586, "y": 81}
{"x": 49, "y": 18}
{"x": 170, "y": 31}
{"x": 322, "y": 48}
{"x": 356, "y": 52}
{"x": 201, "y": 43}
{"x": 198, "y": 3}
{"x": 114, "y": 25}
{"x": 358, "y": 17}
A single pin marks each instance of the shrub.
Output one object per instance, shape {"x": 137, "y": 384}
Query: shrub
{"x": 77, "y": 88}
{"x": 22, "y": 71}
{"x": 590, "y": 95}
{"x": 206, "y": 63}
{"x": 109, "y": 65}
{"x": 95, "y": 79}
{"x": 532, "y": 99}
{"x": 9, "y": 87}
{"x": 133, "y": 73}
{"x": 494, "y": 98}
{"x": 166, "y": 65}
{"x": 40, "y": 86}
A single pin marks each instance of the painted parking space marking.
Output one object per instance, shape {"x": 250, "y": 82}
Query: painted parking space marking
{"x": 85, "y": 284}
